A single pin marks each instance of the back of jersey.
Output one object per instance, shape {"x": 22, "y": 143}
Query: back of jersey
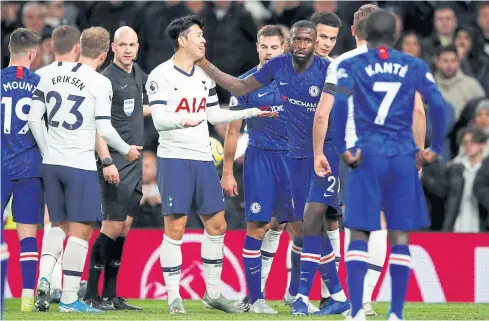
{"x": 73, "y": 92}
{"x": 383, "y": 83}
{"x": 20, "y": 154}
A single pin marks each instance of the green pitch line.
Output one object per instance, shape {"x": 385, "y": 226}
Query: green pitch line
{"x": 157, "y": 310}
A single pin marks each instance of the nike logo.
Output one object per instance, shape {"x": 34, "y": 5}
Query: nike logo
{"x": 261, "y": 95}
{"x": 122, "y": 87}
{"x": 175, "y": 88}
{"x": 283, "y": 83}
{"x": 326, "y": 195}
{"x": 98, "y": 267}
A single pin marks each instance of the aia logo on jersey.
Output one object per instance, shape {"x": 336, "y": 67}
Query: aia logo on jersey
{"x": 191, "y": 106}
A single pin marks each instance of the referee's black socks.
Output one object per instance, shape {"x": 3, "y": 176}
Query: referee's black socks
{"x": 112, "y": 268}
{"x": 99, "y": 256}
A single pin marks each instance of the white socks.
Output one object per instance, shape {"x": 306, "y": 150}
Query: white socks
{"x": 171, "y": 264}
{"x": 52, "y": 248}
{"x": 268, "y": 249}
{"x": 377, "y": 250}
{"x": 212, "y": 253}
{"x": 73, "y": 263}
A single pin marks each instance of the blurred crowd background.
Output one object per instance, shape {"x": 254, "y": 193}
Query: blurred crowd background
{"x": 453, "y": 37}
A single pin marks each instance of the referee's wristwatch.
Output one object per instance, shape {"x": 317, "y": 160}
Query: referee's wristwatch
{"x": 106, "y": 162}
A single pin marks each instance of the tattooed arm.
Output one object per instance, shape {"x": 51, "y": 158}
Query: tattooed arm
{"x": 237, "y": 86}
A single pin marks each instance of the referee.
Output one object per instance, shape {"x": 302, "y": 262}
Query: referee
{"x": 120, "y": 179}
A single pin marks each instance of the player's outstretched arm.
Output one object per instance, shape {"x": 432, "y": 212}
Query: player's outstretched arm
{"x": 239, "y": 87}
{"x": 419, "y": 122}
{"x": 35, "y": 119}
{"x": 319, "y": 130}
{"x": 429, "y": 90}
{"x": 228, "y": 182}
{"x": 111, "y": 174}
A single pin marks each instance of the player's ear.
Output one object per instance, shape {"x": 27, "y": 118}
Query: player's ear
{"x": 353, "y": 32}
{"x": 9, "y": 48}
{"x": 113, "y": 47}
{"x": 182, "y": 41}
{"x": 32, "y": 54}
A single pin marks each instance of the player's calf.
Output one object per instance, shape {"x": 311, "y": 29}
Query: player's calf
{"x": 269, "y": 248}
{"x": 400, "y": 269}
{"x": 252, "y": 258}
{"x": 357, "y": 265}
{"x": 28, "y": 263}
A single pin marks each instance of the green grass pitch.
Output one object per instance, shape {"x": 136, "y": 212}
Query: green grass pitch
{"x": 157, "y": 310}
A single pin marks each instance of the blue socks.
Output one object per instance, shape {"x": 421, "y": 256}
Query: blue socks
{"x": 329, "y": 272}
{"x": 356, "y": 268}
{"x": 400, "y": 269}
{"x": 296, "y": 266}
{"x": 252, "y": 265}
{"x": 309, "y": 263}
{"x": 28, "y": 262}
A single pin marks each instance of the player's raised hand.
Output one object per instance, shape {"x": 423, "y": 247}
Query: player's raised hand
{"x": 111, "y": 174}
{"x": 229, "y": 185}
{"x": 352, "y": 160}
{"x": 321, "y": 166}
{"x": 186, "y": 123}
{"x": 133, "y": 153}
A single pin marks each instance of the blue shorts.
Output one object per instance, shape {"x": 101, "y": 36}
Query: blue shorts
{"x": 267, "y": 189}
{"x": 391, "y": 184}
{"x": 72, "y": 194}
{"x": 27, "y": 202}
{"x": 189, "y": 184}
{"x": 307, "y": 187}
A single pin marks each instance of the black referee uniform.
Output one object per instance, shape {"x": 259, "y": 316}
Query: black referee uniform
{"x": 128, "y": 119}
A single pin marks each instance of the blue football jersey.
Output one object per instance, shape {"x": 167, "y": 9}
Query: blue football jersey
{"x": 300, "y": 95}
{"x": 20, "y": 154}
{"x": 381, "y": 84}
{"x": 264, "y": 133}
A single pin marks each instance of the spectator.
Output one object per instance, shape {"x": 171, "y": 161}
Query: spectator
{"x": 463, "y": 212}
{"x": 482, "y": 115}
{"x": 286, "y": 32}
{"x": 33, "y": 16}
{"x": 470, "y": 49}
{"x": 55, "y": 14}
{"x": 456, "y": 87}
{"x": 483, "y": 22}
{"x": 410, "y": 43}
{"x": 10, "y": 22}
{"x": 445, "y": 23}
{"x": 288, "y": 12}
{"x": 481, "y": 192}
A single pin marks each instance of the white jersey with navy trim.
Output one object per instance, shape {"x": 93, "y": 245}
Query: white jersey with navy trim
{"x": 188, "y": 95}
{"x": 332, "y": 80}
{"x": 74, "y": 95}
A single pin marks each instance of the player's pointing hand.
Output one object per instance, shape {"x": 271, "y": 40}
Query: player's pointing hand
{"x": 350, "y": 160}
{"x": 133, "y": 153}
{"x": 321, "y": 166}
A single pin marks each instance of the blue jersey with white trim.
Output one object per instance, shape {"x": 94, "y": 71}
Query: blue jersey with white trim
{"x": 300, "y": 95}
{"x": 380, "y": 85}
{"x": 20, "y": 154}
{"x": 264, "y": 133}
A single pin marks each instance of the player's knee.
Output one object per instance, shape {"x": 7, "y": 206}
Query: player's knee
{"x": 26, "y": 230}
{"x": 257, "y": 230}
{"x": 112, "y": 229}
{"x": 216, "y": 229}
{"x": 81, "y": 230}
{"x": 398, "y": 237}
{"x": 276, "y": 226}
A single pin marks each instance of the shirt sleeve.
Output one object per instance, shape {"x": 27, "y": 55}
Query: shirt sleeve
{"x": 237, "y": 102}
{"x": 212, "y": 99}
{"x": 437, "y": 110}
{"x": 266, "y": 74}
{"x": 157, "y": 90}
{"x": 103, "y": 99}
{"x": 36, "y": 113}
{"x": 340, "y": 108}
{"x": 331, "y": 78}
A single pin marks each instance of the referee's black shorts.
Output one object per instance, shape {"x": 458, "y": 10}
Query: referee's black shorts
{"x": 119, "y": 201}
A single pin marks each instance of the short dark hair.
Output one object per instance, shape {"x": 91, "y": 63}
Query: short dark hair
{"x": 380, "y": 26}
{"x": 303, "y": 24}
{"x": 360, "y": 17}
{"x": 64, "y": 38}
{"x": 22, "y": 40}
{"x": 271, "y": 31}
{"x": 482, "y": 5}
{"x": 179, "y": 26}
{"x": 445, "y": 6}
{"x": 326, "y": 18}
{"x": 449, "y": 48}
{"x": 478, "y": 135}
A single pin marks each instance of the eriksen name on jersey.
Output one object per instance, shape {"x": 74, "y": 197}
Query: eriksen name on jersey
{"x": 69, "y": 80}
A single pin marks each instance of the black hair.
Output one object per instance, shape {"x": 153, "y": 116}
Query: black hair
{"x": 449, "y": 48}
{"x": 179, "y": 26}
{"x": 326, "y": 18}
{"x": 478, "y": 135}
{"x": 303, "y": 24}
{"x": 380, "y": 28}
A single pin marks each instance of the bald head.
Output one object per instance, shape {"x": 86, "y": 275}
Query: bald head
{"x": 125, "y": 47}
{"x": 125, "y": 32}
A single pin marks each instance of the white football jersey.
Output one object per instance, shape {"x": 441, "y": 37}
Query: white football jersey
{"x": 189, "y": 95}
{"x": 331, "y": 78}
{"x": 74, "y": 95}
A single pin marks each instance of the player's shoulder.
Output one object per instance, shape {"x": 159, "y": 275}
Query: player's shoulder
{"x": 201, "y": 74}
{"x": 350, "y": 54}
{"x": 280, "y": 60}
{"x": 161, "y": 71}
{"x": 249, "y": 72}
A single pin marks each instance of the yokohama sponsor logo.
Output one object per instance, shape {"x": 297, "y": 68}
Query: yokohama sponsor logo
{"x": 446, "y": 267}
